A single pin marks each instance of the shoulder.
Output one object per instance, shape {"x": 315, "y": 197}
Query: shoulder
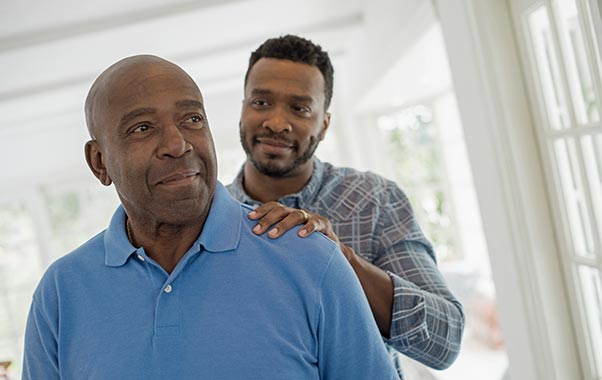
{"x": 312, "y": 253}
{"x": 346, "y": 192}
{"x": 350, "y": 178}
{"x": 70, "y": 269}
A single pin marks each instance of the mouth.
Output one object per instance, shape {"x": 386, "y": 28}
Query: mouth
{"x": 274, "y": 146}
{"x": 181, "y": 177}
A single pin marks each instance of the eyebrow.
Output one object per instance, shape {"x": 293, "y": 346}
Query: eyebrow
{"x": 295, "y": 98}
{"x": 302, "y": 98}
{"x": 189, "y": 104}
{"x": 260, "y": 91}
{"x": 125, "y": 119}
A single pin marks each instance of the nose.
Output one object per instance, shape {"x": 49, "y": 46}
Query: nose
{"x": 277, "y": 121}
{"x": 173, "y": 143}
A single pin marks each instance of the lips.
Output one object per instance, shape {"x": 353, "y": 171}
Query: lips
{"x": 181, "y": 176}
{"x": 275, "y": 142}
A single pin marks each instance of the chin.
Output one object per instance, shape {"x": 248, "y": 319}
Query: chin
{"x": 184, "y": 213}
{"x": 188, "y": 210}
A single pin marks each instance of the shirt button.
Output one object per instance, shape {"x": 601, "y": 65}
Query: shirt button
{"x": 168, "y": 289}
{"x": 140, "y": 257}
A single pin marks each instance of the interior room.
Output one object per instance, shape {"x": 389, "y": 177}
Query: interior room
{"x": 485, "y": 112}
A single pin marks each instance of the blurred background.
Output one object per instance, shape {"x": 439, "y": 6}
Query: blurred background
{"x": 486, "y": 112}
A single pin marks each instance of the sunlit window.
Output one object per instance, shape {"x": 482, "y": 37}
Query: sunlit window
{"x": 568, "y": 67}
{"x": 425, "y": 146}
{"x": 30, "y": 238}
{"x": 20, "y": 269}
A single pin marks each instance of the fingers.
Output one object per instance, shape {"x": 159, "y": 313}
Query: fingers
{"x": 270, "y": 214}
{"x": 276, "y": 219}
{"x": 264, "y": 209}
{"x": 291, "y": 220}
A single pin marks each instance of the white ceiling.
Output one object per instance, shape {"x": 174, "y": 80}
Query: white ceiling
{"x": 51, "y": 51}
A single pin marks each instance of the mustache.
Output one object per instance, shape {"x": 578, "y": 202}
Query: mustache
{"x": 277, "y": 137}
{"x": 181, "y": 165}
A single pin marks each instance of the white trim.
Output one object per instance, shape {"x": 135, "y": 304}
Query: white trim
{"x": 547, "y": 139}
{"x": 510, "y": 185}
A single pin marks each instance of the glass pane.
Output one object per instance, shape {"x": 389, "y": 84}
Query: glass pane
{"x": 425, "y": 146}
{"x": 592, "y": 158}
{"x": 413, "y": 145}
{"x": 10, "y": 359}
{"x": 19, "y": 303}
{"x": 576, "y": 62}
{"x": 5, "y": 317}
{"x": 548, "y": 69}
{"x": 592, "y": 301}
{"x": 574, "y": 201}
{"x": 20, "y": 265}
{"x": 77, "y": 214}
{"x": 20, "y": 269}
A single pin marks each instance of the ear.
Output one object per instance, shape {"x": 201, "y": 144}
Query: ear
{"x": 94, "y": 158}
{"x": 325, "y": 125}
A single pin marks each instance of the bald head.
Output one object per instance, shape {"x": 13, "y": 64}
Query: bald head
{"x": 125, "y": 72}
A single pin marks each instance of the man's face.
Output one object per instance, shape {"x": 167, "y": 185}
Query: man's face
{"x": 283, "y": 117}
{"x": 154, "y": 144}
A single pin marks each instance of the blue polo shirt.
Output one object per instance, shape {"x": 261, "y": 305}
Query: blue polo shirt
{"x": 237, "y": 306}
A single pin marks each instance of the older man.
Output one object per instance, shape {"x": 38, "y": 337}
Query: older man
{"x": 178, "y": 286}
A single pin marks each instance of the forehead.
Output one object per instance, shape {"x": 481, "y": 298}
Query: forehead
{"x": 285, "y": 77}
{"x": 143, "y": 86}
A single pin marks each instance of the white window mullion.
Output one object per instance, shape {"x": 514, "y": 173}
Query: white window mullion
{"x": 587, "y": 261}
{"x": 550, "y": 134}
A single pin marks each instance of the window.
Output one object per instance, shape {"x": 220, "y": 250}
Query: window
{"x": 34, "y": 231}
{"x": 566, "y": 64}
{"x": 20, "y": 269}
{"x": 428, "y": 160}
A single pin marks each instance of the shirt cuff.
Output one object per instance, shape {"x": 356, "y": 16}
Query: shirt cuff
{"x": 408, "y": 322}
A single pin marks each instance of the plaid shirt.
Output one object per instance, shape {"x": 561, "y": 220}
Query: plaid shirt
{"x": 373, "y": 216}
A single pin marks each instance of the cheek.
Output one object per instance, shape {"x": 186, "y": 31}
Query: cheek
{"x": 250, "y": 120}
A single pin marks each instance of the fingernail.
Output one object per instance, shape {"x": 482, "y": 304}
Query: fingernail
{"x": 302, "y": 233}
{"x": 273, "y": 232}
{"x": 257, "y": 228}
{"x": 252, "y": 214}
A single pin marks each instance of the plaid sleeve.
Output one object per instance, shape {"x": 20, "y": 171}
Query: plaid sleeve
{"x": 427, "y": 320}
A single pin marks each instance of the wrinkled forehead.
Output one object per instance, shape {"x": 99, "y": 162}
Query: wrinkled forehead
{"x": 133, "y": 82}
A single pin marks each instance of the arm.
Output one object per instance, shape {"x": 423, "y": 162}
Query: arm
{"x": 40, "y": 358}
{"x": 349, "y": 345}
{"x": 427, "y": 321}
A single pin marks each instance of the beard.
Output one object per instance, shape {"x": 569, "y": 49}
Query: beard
{"x": 271, "y": 167}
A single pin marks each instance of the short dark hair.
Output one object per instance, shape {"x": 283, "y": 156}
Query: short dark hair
{"x": 297, "y": 49}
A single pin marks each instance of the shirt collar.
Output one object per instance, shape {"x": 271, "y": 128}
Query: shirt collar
{"x": 221, "y": 231}
{"x": 301, "y": 199}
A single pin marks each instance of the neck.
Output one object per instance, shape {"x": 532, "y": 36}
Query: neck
{"x": 164, "y": 243}
{"x": 264, "y": 188}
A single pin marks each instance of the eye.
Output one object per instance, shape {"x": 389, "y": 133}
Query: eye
{"x": 140, "y": 128}
{"x": 260, "y": 103}
{"x": 301, "y": 109}
{"x": 196, "y": 121}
